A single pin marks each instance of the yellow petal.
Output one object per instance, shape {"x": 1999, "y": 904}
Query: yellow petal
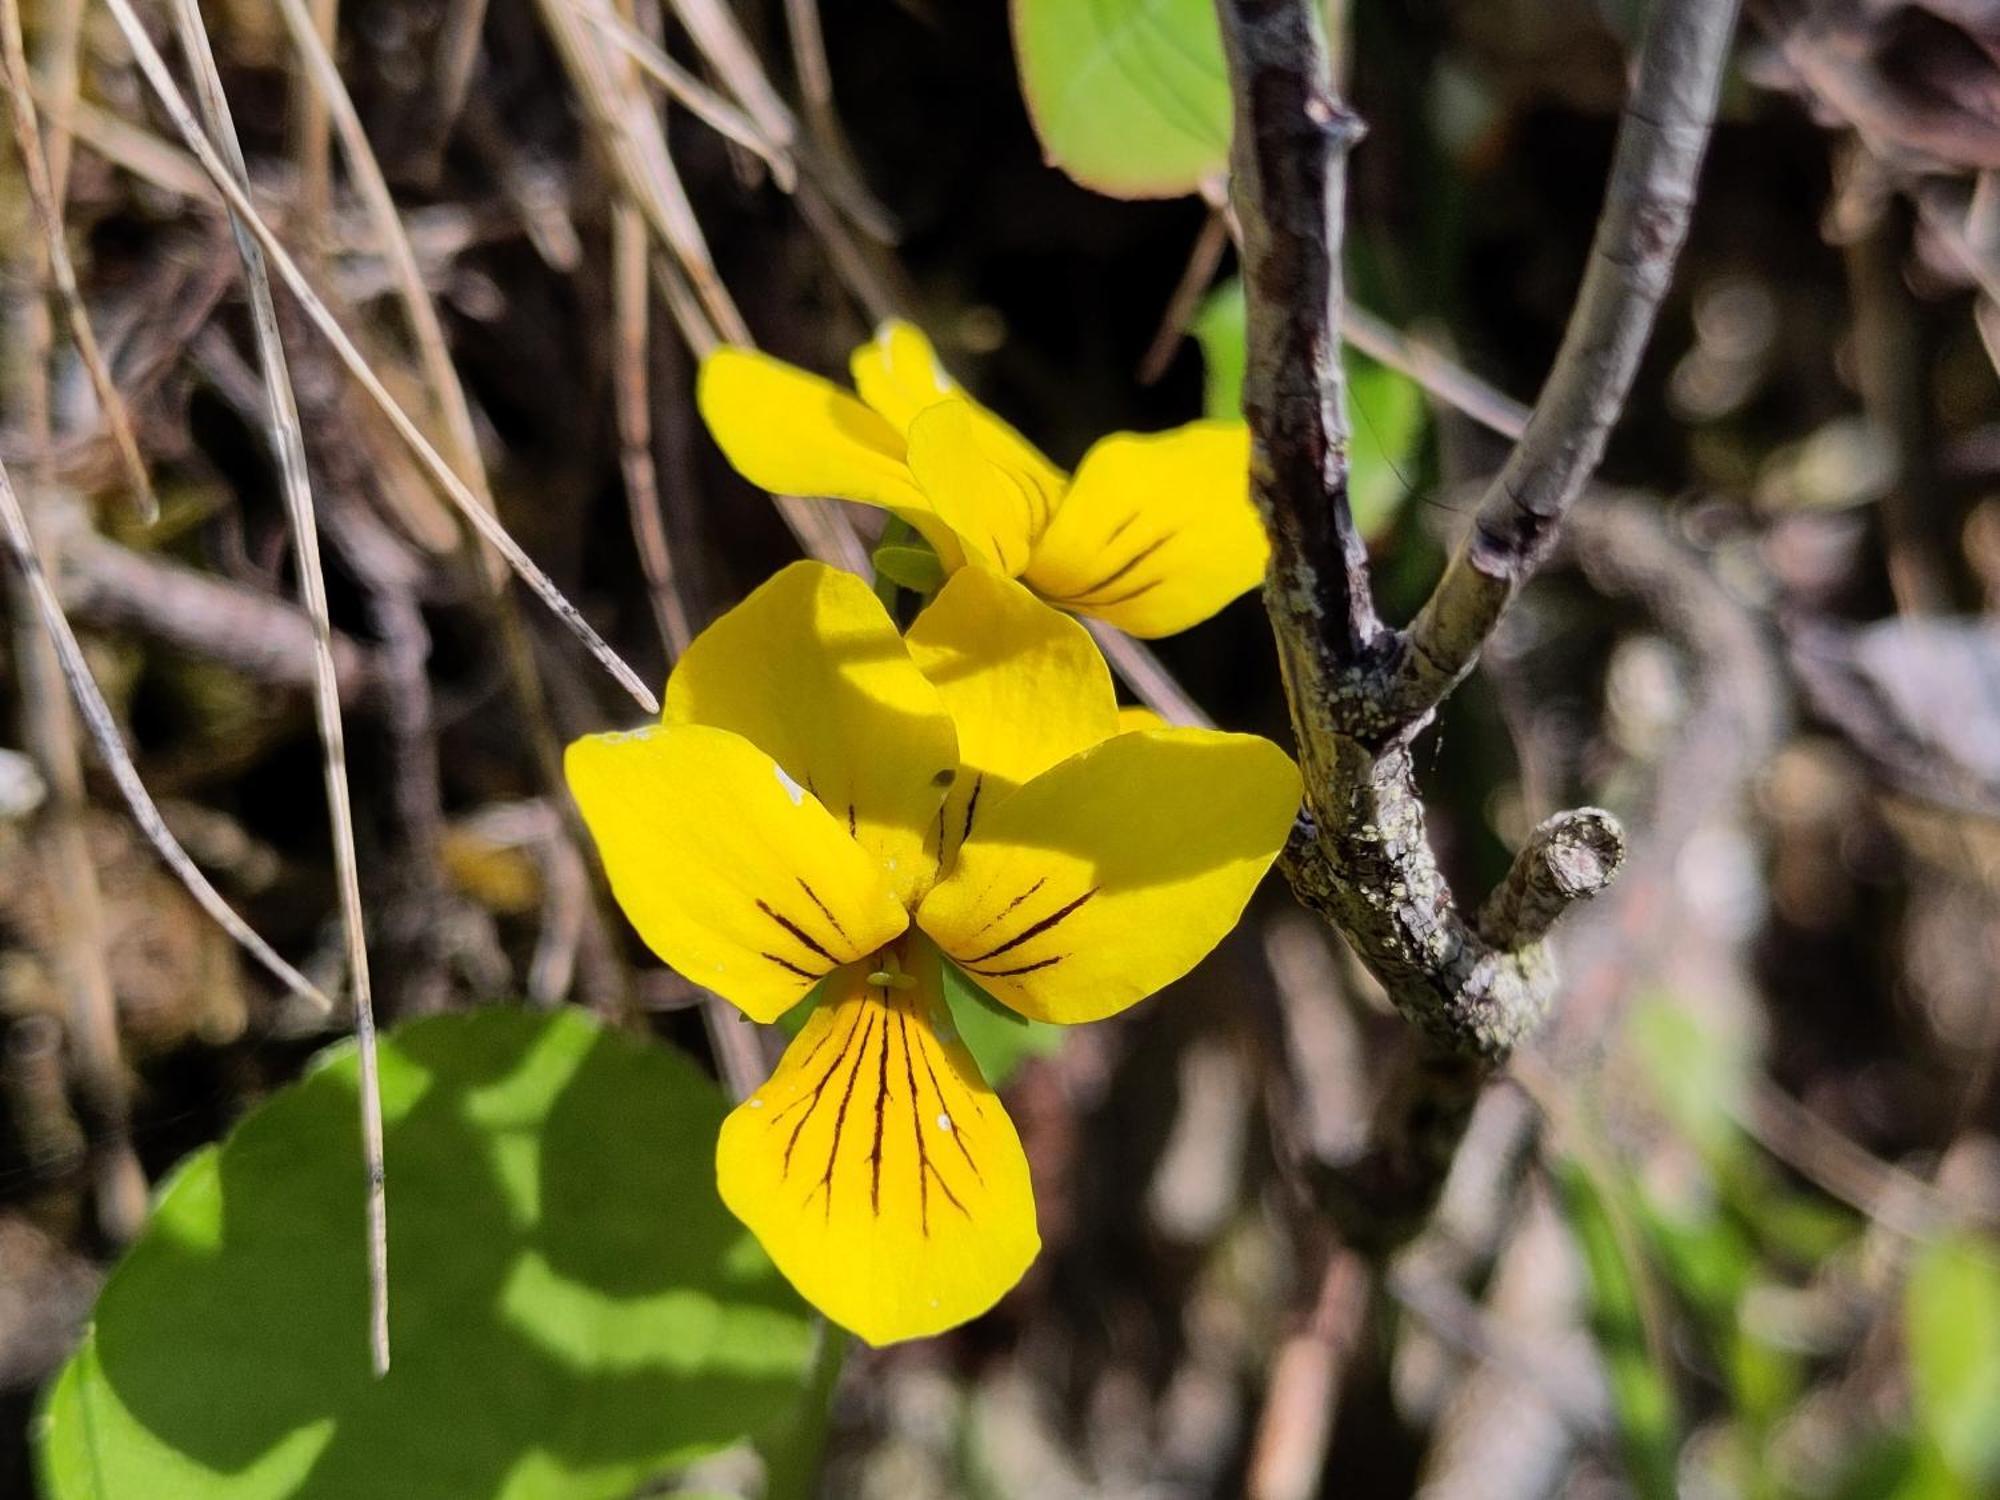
{"x": 984, "y": 481}
{"x": 810, "y": 669}
{"x": 1114, "y": 873}
{"x": 1156, "y": 533}
{"x": 897, "y": 372}
{"x": 876, "y": 1167}
{"x": 1133, "y": 717}
{"x": 1024, "y": 684}
{"x": 731, "y": 872}
{"x": 793, "y": 433}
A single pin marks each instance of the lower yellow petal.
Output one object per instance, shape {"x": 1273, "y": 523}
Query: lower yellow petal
{"x": 876, "y": 1167}
{"x": 984, "y": 481}
{"x": 729, "y": 870}
{"x": 897, "y": 372}
{"x": 1024, "y": 684}
{"x": 812, "y": 671}
{"x": 1156, "y": 533}
{"x": 1114, "y": 873}
{"x": 792, "y": 433}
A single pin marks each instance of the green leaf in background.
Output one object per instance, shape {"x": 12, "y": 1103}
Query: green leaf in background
{"x": 572, "y": 1310}
{"x": 1130, "y": 97}
{"x": 1698, "y": 1070}
{"x": 999, "y": 1039}
{"x": 1641, "y": 1394}
{"x": 1385, "y": 409}
{"x": 1218, "y": 326}
{"x": 1951, "y": 1322}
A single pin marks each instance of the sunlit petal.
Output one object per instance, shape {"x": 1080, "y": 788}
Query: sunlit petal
{"x": 897, "y": 372}
{"x": 876, "y": 1167}
{"x": 984, "y": 481}
{"x": 1155, "y": 533}
{"x": 811, "y": 670}
{"x": 1024, "y": 684}
{"x": 793, "y": 433}
{"x": 1114, "y": 873}
{"x": 730, "y": 871}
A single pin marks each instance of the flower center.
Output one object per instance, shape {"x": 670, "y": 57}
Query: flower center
{"x": 889, "y": 973}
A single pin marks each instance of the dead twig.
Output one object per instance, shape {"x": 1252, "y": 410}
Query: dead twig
{"x": 1288, "y": 1453}
{"x": 267, "y": 640}
{"x": 103, "y": 728}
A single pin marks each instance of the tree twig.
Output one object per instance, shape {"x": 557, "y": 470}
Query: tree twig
{"x": 1647, "y": 206}
{"x": 1358, "y": 691}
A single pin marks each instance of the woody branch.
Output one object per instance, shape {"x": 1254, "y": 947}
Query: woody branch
{"x": 1361, "y": 690}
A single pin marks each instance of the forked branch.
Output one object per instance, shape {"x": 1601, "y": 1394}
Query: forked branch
{"x": 1360, "y": 691}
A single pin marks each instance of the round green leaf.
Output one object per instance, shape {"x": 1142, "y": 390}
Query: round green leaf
{"x": 571, "y": 1308}
{"x": 1130, "y": 97}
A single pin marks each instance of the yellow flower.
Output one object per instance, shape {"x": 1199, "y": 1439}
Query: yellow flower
{"x": 1154, "y": 533}
{"x": 825, "y": 800}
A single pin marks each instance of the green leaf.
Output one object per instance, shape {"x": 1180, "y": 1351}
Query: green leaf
{"x": 1641, "y": 1393}
{"x": 572, "y": 1310}
{"x": 999, "y": 1039}
{"x": 917, "y": 569}
{"x": 1130, "y": 97}
{"x": 1385, "y": 409}
{"x": 1951, "y": 1315}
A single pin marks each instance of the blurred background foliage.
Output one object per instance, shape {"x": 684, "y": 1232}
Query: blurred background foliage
{"x": 1730, "y": 1227}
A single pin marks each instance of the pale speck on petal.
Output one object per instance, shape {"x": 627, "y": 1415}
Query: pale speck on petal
{"x": 944, "y": 1123}
{"x": 756, "y": 1103}
{"x": 792, "y": 789}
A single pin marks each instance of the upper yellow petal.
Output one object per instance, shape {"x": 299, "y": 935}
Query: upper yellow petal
{"x": 1114, "y": 873}
{"x": 1024, "y": 684}
{"x": 876, "y": 1167}
{"x": 811, "y": 670}
{"x": 796, "y": 434}
{"x": 731, "y": 872}
{"x": 984, "y": 481}
{"x": 1156, "y": 533}
{"x": 898, "y": 373}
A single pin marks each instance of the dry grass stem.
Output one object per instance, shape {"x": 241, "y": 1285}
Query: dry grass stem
{"x": 45, "y": 198}
{"x": 288, "y": 441}
{"x": 440, "y": 375}
{"x": 440, "y": 472}
{"x": 102, "y": 726}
